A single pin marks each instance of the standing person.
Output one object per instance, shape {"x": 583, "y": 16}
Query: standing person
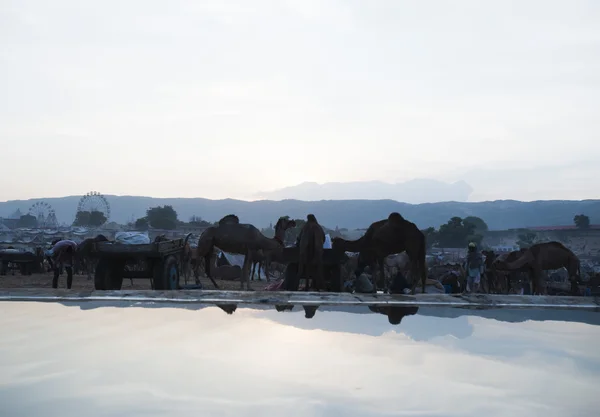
{"x": 474, "y": 268}
{"x": 63, "y": 255}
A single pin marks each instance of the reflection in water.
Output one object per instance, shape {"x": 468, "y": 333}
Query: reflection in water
{"x": 61, "y": 361}
{"x": 395, "y": 314}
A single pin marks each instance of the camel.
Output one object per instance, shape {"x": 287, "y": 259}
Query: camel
{"x": 83, "y": 257}
{"x": 234, "y": 237}
{"x": 490, "y": 273}
{"x": 387, "y": 237}
{"x": 190, "y": 260}
{"x": 312, "y": 238}
{"x": 541, "y": 257}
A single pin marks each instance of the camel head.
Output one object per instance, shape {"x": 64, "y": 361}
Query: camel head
{"x": 499, "y": 263}
{"x": 311, "y": 219}
{"x": 336, "y": 242}
{"x": 284, "y": 223}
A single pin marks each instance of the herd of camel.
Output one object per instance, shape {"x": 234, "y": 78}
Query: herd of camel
{"x": 383, "y": 238}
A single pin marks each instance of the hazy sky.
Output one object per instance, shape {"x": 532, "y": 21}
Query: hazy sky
{"x": 226, "y": 98}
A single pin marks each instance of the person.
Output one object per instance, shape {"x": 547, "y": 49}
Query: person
{"x": 63, "y": 255}
{"x": 474, "y": 268}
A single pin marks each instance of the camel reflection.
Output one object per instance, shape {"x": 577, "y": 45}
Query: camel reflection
{"x": 395, "y": 314}
{"x": 309, "y": 311}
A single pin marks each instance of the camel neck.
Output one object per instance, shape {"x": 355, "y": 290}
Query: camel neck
{"x": 278, "y": 240}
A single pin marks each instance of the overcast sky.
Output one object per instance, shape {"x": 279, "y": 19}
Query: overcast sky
{"x": 222, "y": 98}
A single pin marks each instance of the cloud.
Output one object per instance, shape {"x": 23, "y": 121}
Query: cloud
{"x": 381, "y": 91}
{"x": 256, "y": 363}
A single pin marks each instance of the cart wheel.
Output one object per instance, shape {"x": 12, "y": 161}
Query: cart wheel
{"x": 168, "y": 279}
{"x": 109, "y": 275}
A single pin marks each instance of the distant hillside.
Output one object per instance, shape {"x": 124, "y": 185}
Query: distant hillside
{"x": 342, "y": 213}
{"x": 416, "y": 191}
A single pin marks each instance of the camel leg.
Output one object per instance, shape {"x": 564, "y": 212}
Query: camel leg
{"x": 382, "y": 274}
{"x": 265, "y": 268}
{"x": 575, "y": 286}
{"x": 253, "y": 271}
{"x": 246, "y": 272}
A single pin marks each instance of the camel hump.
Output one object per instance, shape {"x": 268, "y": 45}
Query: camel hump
{"x": 311, "y": 218}
{"x": 230, "y": 219}
{"x": 395, "y": 217}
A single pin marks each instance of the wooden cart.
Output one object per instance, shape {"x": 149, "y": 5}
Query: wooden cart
{"x": 25, "y": 262}
{"x": 159, "y": 261}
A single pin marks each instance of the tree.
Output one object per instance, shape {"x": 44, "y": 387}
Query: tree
{"x": 582, "y": 221}
{"x": 431, "y": 237}
{"x": 526, "y": 239}
{"x": 94, "y": 218}
{"x": 456, "y": 233}
{"x": 480, "y": 225}
{"x": 141, "y": 224}
{"x": 27, "y": 221}
{"x": 197, "y": 221}
{"x": 162, "y": 217}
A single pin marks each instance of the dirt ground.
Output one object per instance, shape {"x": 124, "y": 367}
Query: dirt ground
{"x": 81, "y": 282}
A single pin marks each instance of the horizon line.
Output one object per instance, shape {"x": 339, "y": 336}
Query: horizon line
{"x": 306, "y": 201}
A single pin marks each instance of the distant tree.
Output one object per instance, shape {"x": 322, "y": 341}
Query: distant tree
{"x": 582, "y": 221}
{"x": 455, "y": 233}
{"x": 197, "y": 221}
{"x": 162, "y": 217}
{"x": 27, "y": 221}
{"x": 431, "y": 237}
{"x": 141, "y": 224}
{"x": 268, "y": 231}
{"x": 480, "y": 225}
{"x": 92, "y": 218}
{"x": 526, "y": 239}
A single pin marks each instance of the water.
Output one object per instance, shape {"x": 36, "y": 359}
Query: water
{"x": 58, "y": 360}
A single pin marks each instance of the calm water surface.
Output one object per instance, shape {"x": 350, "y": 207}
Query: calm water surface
{"x": 58, "y": 360}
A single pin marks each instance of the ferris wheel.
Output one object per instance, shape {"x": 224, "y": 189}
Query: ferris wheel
{"x": 44, "y": 214}
{"x": 94, "y": 201}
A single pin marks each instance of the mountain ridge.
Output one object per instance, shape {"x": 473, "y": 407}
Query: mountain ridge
{"x": 415, "y": 191}
{"x": 352, "y": 214}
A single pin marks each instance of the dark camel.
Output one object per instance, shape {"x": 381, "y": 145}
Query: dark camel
{"x": 234, "y": 237}
{"x": 386, "y": 237}
{"x": 542, "y": 257}
{"x": 491, "y": 277}
{"x": 310, "y": 262}
{"x": 83, "y": 256}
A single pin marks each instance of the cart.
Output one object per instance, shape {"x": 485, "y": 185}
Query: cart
{"x": 159, "y": 261}
{"x": 25, "y": 262}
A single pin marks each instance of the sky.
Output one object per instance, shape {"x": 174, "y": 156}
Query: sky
{"x": 219, "y": 99}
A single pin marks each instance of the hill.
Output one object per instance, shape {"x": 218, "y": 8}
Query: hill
{"x": 416, "y": 191}
{"x": 351, "y": 214}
